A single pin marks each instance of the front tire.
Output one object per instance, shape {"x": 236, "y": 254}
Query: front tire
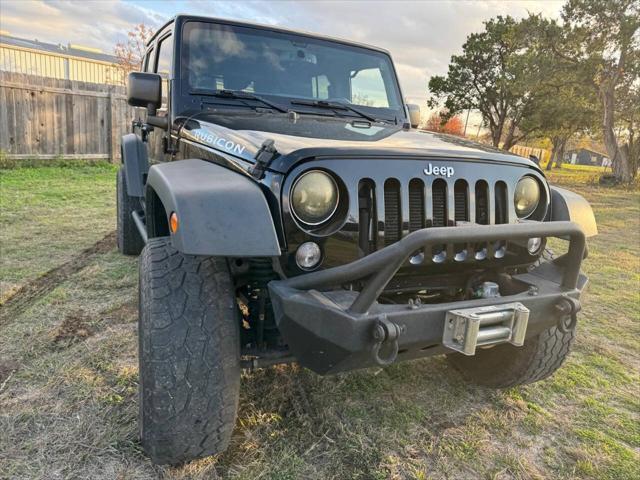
{"x": 189, "y": 353}
{"x": 505, "y": 365}
{"x": 128, "y": 237}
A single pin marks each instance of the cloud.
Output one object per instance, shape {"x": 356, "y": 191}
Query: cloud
{"x": 421, "y": 36}
{"x": 98, "y": 24}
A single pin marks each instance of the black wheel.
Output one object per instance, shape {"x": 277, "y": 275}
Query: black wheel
{"x": 505, "y": 365}
{"x": 129, "y": 240}
{"x": 189, "y": 353}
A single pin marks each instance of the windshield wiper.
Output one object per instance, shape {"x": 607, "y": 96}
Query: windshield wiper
{"x": 235, "y": 94}
{"x": 335, "y": 106}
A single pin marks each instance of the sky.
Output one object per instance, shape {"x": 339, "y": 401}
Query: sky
{"x": 421, "y": 35}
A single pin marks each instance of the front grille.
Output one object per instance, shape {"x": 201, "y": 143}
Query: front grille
{"x": 392, "y": 209}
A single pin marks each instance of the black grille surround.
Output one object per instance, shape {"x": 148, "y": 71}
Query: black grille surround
{"x": 401, "y": 198}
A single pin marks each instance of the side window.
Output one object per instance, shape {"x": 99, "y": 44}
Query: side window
{"x": 368, "y": 88}
{"x": 148, "y": 61}
{"x": 163, "y": 65}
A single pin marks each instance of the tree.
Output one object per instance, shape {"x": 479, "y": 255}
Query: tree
{"x": 567, "y": 113}
{"x": 560, "y": 105}
{"x": 628, "y": 114}
{"x": 441, "y": 122}
{"x": 493, "y": 75}
{"x": 601, "y": 41}
{"x": 563, "y": 109}
{"x": 130, "y": 54}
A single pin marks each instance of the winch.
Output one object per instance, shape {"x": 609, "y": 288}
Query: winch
{"x": 466, "y": 329}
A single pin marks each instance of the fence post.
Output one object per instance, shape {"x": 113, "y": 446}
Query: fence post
{"x": 110, "y": 134}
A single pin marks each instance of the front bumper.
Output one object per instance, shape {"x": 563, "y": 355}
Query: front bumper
{"x": 329, "y": 329}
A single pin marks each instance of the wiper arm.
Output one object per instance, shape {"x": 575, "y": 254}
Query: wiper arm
{"x": 240, "y": 96}
{"x": 335, "y": 106}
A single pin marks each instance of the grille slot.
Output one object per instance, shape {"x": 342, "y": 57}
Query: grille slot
{"x": 461, "y": 201}
{"x": 482, "y": 203}
{"x": 439, "y": 203}
{"x": 367, "y": 233}
{"x": 416, "y": 205}
{"x": 501, "y": 202}
{"x": 393, "y": 215}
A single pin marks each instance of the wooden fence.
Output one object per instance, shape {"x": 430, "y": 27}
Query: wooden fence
{"x": 543, "y": 154}
{"x": 45, "y": 118}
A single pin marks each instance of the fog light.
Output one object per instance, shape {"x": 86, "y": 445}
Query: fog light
{"x": 308, "y": 255}
{"x": 534, "y": 245}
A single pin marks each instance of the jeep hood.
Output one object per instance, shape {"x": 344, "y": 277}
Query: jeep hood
{"x": 315, "y": 136}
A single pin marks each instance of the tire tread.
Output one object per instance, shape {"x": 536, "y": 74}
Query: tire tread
{"x": 189, "y": 354}
{"x": 536, "y": 360}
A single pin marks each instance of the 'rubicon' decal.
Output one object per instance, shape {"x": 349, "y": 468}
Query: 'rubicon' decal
{"x": 441, "y": 171}
{"x": 219, "y": 142}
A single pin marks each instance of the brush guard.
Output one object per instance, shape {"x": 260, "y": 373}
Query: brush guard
{"x": 330, "y": 329}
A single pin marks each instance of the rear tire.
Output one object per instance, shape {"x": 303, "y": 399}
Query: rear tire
{"x": 505, "y": 365}
{"x": 129, "y": 240}
{"x": 189, "y": 353}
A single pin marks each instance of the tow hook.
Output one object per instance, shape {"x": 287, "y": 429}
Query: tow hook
{"x": 386, "y": 334}
{"x": 568, "y": 308}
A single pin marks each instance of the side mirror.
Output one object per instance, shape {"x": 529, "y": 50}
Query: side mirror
{"x": 145, "y": 90}
{"x": 414, "y": 114}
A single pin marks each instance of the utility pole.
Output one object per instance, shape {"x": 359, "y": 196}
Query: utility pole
{"x": 464, "y": 134}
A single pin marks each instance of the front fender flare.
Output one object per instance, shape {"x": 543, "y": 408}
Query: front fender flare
{"x": 567, "y": 205}
{"x": 220, "y": 212}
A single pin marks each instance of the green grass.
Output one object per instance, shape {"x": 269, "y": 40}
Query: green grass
{"x": 48, "y": 214}
{"x": 69, "y": 407}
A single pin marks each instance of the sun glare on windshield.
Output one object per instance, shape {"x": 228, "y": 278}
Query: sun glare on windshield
{"x": 224, "y": 57}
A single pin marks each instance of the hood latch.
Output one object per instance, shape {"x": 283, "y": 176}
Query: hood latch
{"x": 264, "y": 157}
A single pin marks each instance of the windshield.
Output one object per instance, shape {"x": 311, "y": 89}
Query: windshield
{"x": 287, "y": 66}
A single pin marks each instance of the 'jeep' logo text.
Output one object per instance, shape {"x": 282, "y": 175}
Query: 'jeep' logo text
{"x": 442, "y": 171}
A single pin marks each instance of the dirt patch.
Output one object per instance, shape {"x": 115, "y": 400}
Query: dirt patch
{"x": 74, "y": 327}
{"x": 23, "y": 297}
{"x": 125, "y": 313}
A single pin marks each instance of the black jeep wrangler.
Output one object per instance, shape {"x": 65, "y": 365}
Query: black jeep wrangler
{"x": 286, "y": 210}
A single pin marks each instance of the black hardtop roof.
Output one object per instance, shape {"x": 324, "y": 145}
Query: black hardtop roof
{"x": 185, "y": 17}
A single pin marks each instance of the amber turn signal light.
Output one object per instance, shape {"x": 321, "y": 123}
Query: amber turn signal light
{"x": 173, "y": 222}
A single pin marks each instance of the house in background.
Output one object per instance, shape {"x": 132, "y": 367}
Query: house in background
{"x": 584, "y": 156}
{"x": 71, "y": 62}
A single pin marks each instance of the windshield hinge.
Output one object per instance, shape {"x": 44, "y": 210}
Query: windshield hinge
{"x": 264, "y": 157}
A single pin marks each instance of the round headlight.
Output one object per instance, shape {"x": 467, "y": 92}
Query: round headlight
{"x": 526, "y": 196}
{"x": 314, "y": 197}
